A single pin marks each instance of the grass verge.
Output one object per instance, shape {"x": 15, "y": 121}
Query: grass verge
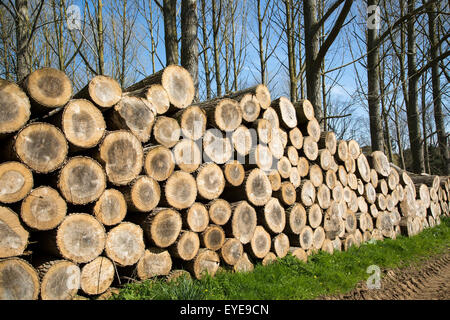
{"x": 289, "y": 278}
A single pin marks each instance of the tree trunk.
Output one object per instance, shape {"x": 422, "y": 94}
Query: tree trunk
{"x": 170, "y": 31}
{"x": 22, "y": 23}
{"x": 189, "y": 46}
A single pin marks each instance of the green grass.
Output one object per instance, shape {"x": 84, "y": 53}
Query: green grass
{"x": 289, "y": 278}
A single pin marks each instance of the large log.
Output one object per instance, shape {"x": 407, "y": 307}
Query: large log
{"x": 43, "y": 209}
{"x": 155, "y": 94}
{"x": 122, "y": 156}
{"x": 196, "y": 218}
{"x": 175, "y": 80}
{"x": 216, "y": 147}
{"x": 60, "y": 279}
{"x": 231, "y": 251}
{"x": 13, "y": 237}
{"x": 15, "y": 107}
{"x": 260, "y": 91}
{"x": 380, "y": 163}
{"x": 304, "y": 110}
{"x": 285, "y": 111}
{"x": 159, "y": 162}
{"x": 273, "y": 217}
{"x": 134, "y": 114}
{"x": 166, "y": 131}
{"x": 180, "y": 190}
{"x": 206, "y": 261}
{"x": 295, "y": 219}
{"x": 102, "y": 90}
{"x": 224, "y": 114}
{"x": 125, "y": 244}
{"x": 47, "y": 88}
{"x": 243, "y": 222}
{"x": 81, "y": 180}
{"x": 219, "y": 211}
{"x": 143, "y": 195}
{"x": 41, "y": 146}
{"x": 210, "y": 181}
{"x": 260, "y": 243}
{"x": 20, "y": 280}
{"x": 16, "y": 181}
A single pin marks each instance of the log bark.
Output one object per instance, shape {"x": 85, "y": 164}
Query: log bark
{"x": 43, "y": 209}
{"x": 286, "y": 112}
{"x": 102, "y": 90}
{"x": 304, "y": 110}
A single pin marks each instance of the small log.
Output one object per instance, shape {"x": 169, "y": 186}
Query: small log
{"x": 250, "y": 107}
{"x": 306, "y": 238}
{"x": 260, "y": 243}
{"x": 122, "y": 155}
{"x": 370, "y": 193}
{"x": 219, "y": 211}
{"x": 347, "y": 194}
{"x": 318, "y": 238}
{"x": 299, "y": 253}
{"x": 162, "y": 226}
{"x": 337, "y": 244}
{"x": 315, "y": 175}
{"x": 292, "y": 155}
{"x": 287, "y": 194}
{"x": 324, "y": 196}
{"x": 280, "y": 245}
{"x": 380, "y": 163}
{"x": 338, "y": 192}
{"x": 312, "y": 130}
{"x": 41, "y": 146}
{"x": 47, "y": 88}
{"x": 81, "y": 180}
{"x": 60, "y": 279}
{"x": 243, "y": 221}
{"x": 350, "y": 222}
{"x": 177, "y": 82}
{"x": 20, "y": 281}
{"x": 296, "y": 138}
{"x": 196, "y": 217}
{"x": 423, "y": 193}
{"x": 328, "y": 140}
{"x": 261, "y": 156}
{"x": 125, "y": 244}
{"x": 43, "y": 209}
{"x": 192, "y": 122}
{"x": 206, "y": 261}
{"x": 307, "y": 193}
{"x": 352, "y": 181}
{"x": 363, "y": 168}
{"x": 393, "y": 179}
{"x": 276, "y": 145}
{"x": 156, "y": 95}
{"x": 187, "y": 156}
{"x": 103, "y": 91}
{"x": 325, "y": 159}
{"x": 269, "y": 258}
{"x": 286, "y": 112}
{"x": 231, "y": 251}
{"x": 186, "y": 246}
{"x": 244, "y": 264}
{"x": 159, "y": 162}
{"x": 303, "y": 167}
{"x": 242, "y": 139}
{"x": 263, "y": 129}
{"x": 382, "y": 187}
{"x": 333, "y": 223}
{"x": 234, "y": 173}
{"x": 260, "y": 91}
{"x": 210, "y": 181}
{"x": 342, "y": 151}
{"x": 381, "y": 202}
{"x": 134, "y": 114}
{"x": 275, "y": 180}
{"x": 330, "y": 179}
{"x": 350, "y": 165}
{"x": 257, "y": 186}
{"x": 143, "y": 195}
{"x": 384, "y": 224}
{"x": 353, "y": 149}
{"x": 284, "y": 167}
{"x": 13, "y": 237}
{"x": 97, "y": 276}
{"x": 273, "y": 217}
{"x": 271, "y": 115}
{"x": 216, "y": 147}
{"x": 16, "y": 181}
{"x": 349, "y": 242}
{"x": 180, "y": 190}
{"x": 304, "y": 110}
{"x": 79, "y": 238}
{"x": 362, "y": 205}
{"x": 294, "y": 177}
{"x": 213, "y": 237}
{"x": 314, "y": 215}
{"x": 82, "y": 124}
{"x": 15, "y": 107}
{"x": 310, "y": 148}
{"x": 373, "y": 178}
{"x": 111, "y": 208}
{"x": 154, "y": 262}
{"x": 295, "y": 219}
{"x": 360, "y": 187}
{"x": 166, "y": 131}
{"x": 327, "y": 246}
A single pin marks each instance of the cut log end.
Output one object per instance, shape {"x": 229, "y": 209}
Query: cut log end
{"x": 258, "y": 187}
{"x": 206, "y": 262}
{"x": 159, "y": 163}
{"x": 219, "y": 211}
{"x": 250, "y": 107}
{"x": 193, "y": 122}
{"x": 187, "y": 245}
{"x": 97, "y": 276}
{"x": 234, "y": 173}
{"x": 210, "y": 181}
{"x": 13, "y": 237}
{"x": 125, "y": 244}
{"x": 15, "y": 107}
{"x": 111, "y": 208}
{"x": 213, "y": 237}
{"x": 187, "y": 156}
{"x": 180, "y": 190}
{"x": 243, "y": 222}
{"x": 196, "y": 217}
{"x": 154, "y": 262}
{"x": 60, "y": 279}
{"x": 144, "y": 194}
{"x": 179, "y": 86}
{"x": 260, "y": 243}
{"x": 231, "y": 251}
{"x": 104, "y": 91}
{"x": 16, "y": 181}
{"x": 166, "y": 131}
{"x": 20, "y": 280}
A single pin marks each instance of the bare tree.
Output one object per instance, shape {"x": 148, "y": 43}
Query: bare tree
{"x": 189, "y": 45}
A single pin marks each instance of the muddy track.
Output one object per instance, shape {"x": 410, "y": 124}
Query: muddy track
{"x": 429, "y": 280}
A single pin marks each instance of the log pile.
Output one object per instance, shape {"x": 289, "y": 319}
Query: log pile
{"x": 107, "y": 185}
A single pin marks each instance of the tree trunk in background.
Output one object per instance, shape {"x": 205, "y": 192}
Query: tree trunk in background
{"x": 170, "y": 31}
{"x": 435, "y": 81}
{"x": 101, "y": 43}
{"x": 22, "y": 22}
{"x": 415, "y": 138}
{"x": 384, "y": 112}
{"x": 311, "y": 51}
{"x": 423, "y": 101}
{"x": 399, "y": 139}
{"x": 205, "y": 52}
{"x": 262, "y": 61}
{"x": 373, "y": 93}
{"x": 290, "y": 49}
{"x": 215, "y": 24}
{"x": 189, "y": 46}
{"x": 300, "y": 60}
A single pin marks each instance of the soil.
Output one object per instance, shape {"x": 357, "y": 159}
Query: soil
{"x": 426, "y": 280}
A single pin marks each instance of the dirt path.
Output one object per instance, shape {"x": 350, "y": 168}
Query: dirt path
{"x": 429, "y": 280}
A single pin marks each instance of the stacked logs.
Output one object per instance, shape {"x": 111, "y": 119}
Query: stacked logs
{"x": 109, "y": 185}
